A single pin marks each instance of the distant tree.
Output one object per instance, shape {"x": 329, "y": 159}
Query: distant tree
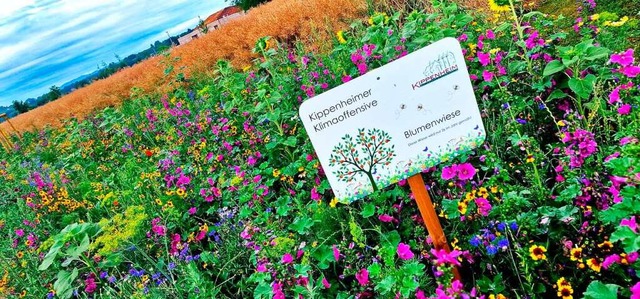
{"x": 246, "y": 4}
{"x": 21, "y": 106}
{"x": 54, "y": 93}
{"x": 203, "y": 27}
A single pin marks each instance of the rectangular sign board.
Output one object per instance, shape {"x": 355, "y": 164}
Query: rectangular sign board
{"x": 394, "y": 121}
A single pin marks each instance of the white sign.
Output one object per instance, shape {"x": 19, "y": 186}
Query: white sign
{"x": 394, "y": 121}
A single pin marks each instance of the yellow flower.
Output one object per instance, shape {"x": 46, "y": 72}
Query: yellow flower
{"x": 333, "y": 202}
{"x": 537, "y": 252}
{"x": 498, "y": 8}
{"x": 340, "y": 35}
{"x": 169, "y": 204}
{"x": 158, "y": 201}
{"x": 181, "y": 192}
{"x": 576, "y": 254}
{"x": 606, "y": 245}
{"x": 276, "y": 173}
{"x": 20, "y": 254}
{"x": 562, "y": 282}
{"x": 565, "y": 292}
{"x": 462, "y": 207}
{"x": 595, "y": 17}
{"x": 594, "y": 264}
{"x": 530, "y": 159}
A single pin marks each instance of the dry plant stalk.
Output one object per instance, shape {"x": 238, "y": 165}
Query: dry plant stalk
{"x": 283, "y": 19}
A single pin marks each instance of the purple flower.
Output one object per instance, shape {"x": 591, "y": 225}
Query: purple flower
{"x": 484, "y": 58}
{"x": 487, "y": 76}
{"x": 336, "y": 253}
{"x": 385, "y": 218}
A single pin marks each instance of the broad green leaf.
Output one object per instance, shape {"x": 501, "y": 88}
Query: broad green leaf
{"x": 597, "y": 53}
{"x": 552, "y": 68}
{"x": 368, "y": 210}
{"x": 583, "y": 87}
{"x": 599, "y": 290}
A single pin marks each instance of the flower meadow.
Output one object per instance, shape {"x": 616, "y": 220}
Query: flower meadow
{"x": 212, "y": 190}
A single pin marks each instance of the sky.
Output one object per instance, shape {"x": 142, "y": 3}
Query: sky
{"x": 50, "y": 42}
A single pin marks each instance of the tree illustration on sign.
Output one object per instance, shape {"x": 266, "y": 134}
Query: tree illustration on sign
{"x": 361, "y": 155}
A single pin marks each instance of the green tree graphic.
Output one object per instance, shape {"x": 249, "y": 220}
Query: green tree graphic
{"x": 360, "y": 155}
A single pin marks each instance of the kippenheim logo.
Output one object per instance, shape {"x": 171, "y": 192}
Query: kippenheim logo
{"x": 444, "y": 65}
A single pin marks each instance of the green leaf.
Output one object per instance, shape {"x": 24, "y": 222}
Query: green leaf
{"x": 63, "y": 283}
{"x": 386, "y": 285}
{"x": 552, "y": 68}
{"x": 291, "y": 141}
{"x": 597, "y": 53}
{"x": 583, "y": 87}
{"x": 263, "y": 290}
{"x": 374, "y": 269}
{"x": 599, "y": 290}
{"x": 368, "y": 210}
{"x": 557, "y": 94}
{"x": 324, "y": 255}
{"x": 301, "y": 225}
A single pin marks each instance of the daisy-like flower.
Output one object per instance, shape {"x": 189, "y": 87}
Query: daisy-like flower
{"x": 565, "y": 292}
{"x": 537, "y": 252}
{"x": 340, "y": 36}
{"x": 594, "y": 264}
{"x": 576, "y": 254}
{"x": 605, "y": 246}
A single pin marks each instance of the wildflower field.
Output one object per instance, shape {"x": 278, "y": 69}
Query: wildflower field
{"x": 213, "y": 190}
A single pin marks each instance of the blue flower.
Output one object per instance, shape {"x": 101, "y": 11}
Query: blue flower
{"x": 501, "y": 226}
{"x": 475, "y": 241}
{"x": 491, "y": 250}
{"x": 503, "y": 243}
{"x": 513, "y": 226}
{"x": 171, "y": 266}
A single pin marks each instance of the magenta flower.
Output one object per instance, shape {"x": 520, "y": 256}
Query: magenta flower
{"x": 483, "y": 206}
{"x": 325, "y": 283}
{"x": 385, "y": 218}
{"x": 484, "y": 58}
{"x": 19, "y": 232}
{"x": 287, "y": 258}
{"x": 466, "y": 171}
{"x": 610, "y": 260}
{"x": 442, "y": 257}
{"x": 635, "y": 291}
{"x": 624, "y": 109}
{"x": 614, "y": 96}
{"x": 336, "y": 253}
{"x": 630, "y": 223}
{"x": 314, "y": 194}
{"x": 404, "y": 252}
{"x": 90, "y": 284}
{"x": 491, "y": 34}
{"x": 363, "y": 277}
{"x": 261, "y": 268}
{"x": 630, "y": 71}
{"x": 276, "y": 288}
{"x": 623, "y": 59}
{"x": 449, "y": 172}
{"x": 487, "y": 76}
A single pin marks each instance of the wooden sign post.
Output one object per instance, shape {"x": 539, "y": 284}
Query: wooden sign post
{"x": 429, "y": 216}
{"x": 394, "y": 122}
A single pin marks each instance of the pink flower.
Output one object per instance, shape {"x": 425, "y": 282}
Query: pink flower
{"x": 192, "y": 210}
{"x": 466, "y": 171}
{"x": 276, "y": 288}
{"x": 346, "y": 78}
{"x": 491, "y": 34}
{"x": 287, "y": 258}
{"x": 610, "y": 260}
{"x": 385, "y": 218}
{"x": 449, "y": 172}
{"x": 484, "y": 58}
{"x": 420, "y": 294}
{"x": 442, "y": 257}
{"x": 632, "y": 257}
{"x": 624, "y": 109}
{"x": 623, "y": 59}
{"x": 614, "y": 96}
{"x": 627, "y": 140}
{"x": 314, "y": 194}
{"x": 261, "y": 268}
{"x": 325, "y": 283}
{"x": 630, "y": 223}
{"x": 483, "y": 206}
{"x": 404, "y": 252}
{"x": 363, "y": 277}
{"x": 635, "y": 291}
{"x": 19, "y": 232}
{"x": 90, "y": 284}
{"x": 630, "y": 71}
{"x": 487, "y": 76}
{"x": 336, "y": 253}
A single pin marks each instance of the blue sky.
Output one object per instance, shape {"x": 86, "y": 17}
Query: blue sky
{"x": 50, "y": 42}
